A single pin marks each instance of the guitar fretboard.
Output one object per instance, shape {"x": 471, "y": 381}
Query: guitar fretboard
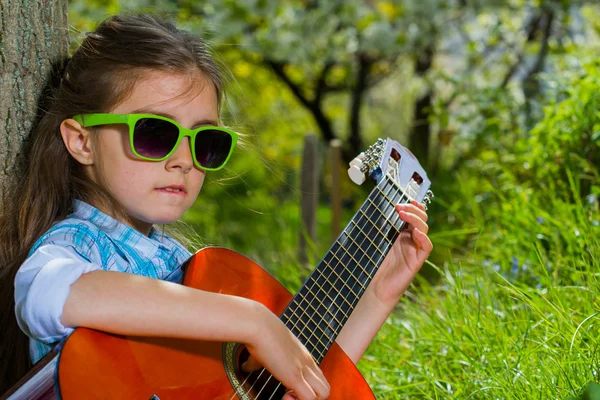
{"x": 322, "y": 306}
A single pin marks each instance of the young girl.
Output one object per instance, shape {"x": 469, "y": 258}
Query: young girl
{"x": 113, "y": 156}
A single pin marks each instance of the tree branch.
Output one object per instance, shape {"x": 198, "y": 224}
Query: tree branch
{"x": 313, "y": 105}
{"x": 364, "y": 66}
{"x": 278, "y": 68}
{"x": 532, "y": 26}
{"x": 546, "y": 21}
{"x": 321, "y": 86}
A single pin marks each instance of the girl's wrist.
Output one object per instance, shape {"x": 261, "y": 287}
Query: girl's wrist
{"x": 377, "y": 300}
{"x": 254, "y": 314}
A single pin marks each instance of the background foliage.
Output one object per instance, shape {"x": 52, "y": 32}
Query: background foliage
{"x": 500, "y": 101}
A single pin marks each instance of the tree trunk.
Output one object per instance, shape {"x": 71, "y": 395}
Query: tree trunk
{"x": 34, "y": 39}
{"x": 418, "y": 141}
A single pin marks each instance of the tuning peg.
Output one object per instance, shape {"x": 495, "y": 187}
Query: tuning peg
{"x": 358, "y": 160}
{"x": 427, "y": 198}
{"x": 356, "y": 169}
{"x": 356, "y": 174}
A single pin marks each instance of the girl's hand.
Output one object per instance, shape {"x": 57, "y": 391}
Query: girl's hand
{"x": 277, "y": 349}
{"x": 406, "y": 256}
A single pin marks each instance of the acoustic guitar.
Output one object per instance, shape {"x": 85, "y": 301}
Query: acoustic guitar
{"x": 98, "y": 365}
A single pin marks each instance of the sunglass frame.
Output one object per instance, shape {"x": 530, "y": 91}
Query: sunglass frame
{"x": 90, "y": 120}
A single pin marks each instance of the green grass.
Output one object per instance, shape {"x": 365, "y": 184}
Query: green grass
{"x": 515, "y": 316}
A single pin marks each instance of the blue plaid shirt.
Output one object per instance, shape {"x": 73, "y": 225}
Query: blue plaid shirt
{"x": 86, "y": 241}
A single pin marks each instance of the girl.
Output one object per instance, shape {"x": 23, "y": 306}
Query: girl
{"x": 115, "y": 155}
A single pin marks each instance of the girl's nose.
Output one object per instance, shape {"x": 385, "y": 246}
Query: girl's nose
{"x": 182, "y": 158}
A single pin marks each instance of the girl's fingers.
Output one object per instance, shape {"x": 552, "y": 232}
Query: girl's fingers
{"x": 423, "y": 242}
{"x": 302, "y": 391}
{"x": 414, "y": 221}
{"x": 419, "y": 205}
{"x": 414, "y": 208}
{"x": 318, "y": 383}
{"x": 290, "y": 396}
{"x": 250, "y": 365}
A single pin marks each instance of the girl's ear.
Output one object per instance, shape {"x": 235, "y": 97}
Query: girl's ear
{"x": 77, "y": 141}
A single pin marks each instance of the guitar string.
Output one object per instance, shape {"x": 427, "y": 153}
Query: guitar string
{"x": 310, "y": 304}
{"x": 341, "y": 279}
{"x": 360, "y": 249}
{"x": 357, "y": 264}
{"x": 366, "y": 253}
{"x": 314, "y": 283}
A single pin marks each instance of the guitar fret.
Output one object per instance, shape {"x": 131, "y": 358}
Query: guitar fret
{"x": 331, "y": 328}
{"x": 328, "y": 327}
{"x": 309, "y": 330}
{"x": 325, "y": 307}
{"x": 326, "y": 292}
{"x": 310, "y": 346}
{"x": 371, "y": 240}
{"x": 384, "y": 216}
{"x": 344, "y": 262}
{"x": 359, "y": 248}
{"x": 330, "y": 263}
{"x": 382, "y": 212}
{"x": 376, "y": 227}
{"x": 384, "y": 195}
{"x": 338, "y": 322}
{"x": 344, "y": 282}
{"x": 391, "y": 205}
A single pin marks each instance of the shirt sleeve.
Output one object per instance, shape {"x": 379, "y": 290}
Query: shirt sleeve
{"x": 42, "y": 286}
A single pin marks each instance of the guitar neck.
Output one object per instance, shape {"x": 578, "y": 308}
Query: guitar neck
{"x": 322, "y": 306}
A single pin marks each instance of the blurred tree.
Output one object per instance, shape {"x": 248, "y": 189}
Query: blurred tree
{"x": 323, "y": 50}
{"x": 318, "y": 49}
{"x": 491, "y": 94}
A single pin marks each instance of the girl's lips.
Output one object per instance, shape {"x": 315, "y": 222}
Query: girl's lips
{"x": 174, "y": 190}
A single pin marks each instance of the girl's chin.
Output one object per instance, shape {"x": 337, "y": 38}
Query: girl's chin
{"x": 144, "y": 223}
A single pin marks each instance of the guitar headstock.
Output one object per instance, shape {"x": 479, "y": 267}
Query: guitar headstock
{"x": 387, "y": 157}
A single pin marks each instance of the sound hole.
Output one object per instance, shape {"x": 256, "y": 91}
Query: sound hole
{"x": 256, "y": 385}
{"x": 260, "y": 383}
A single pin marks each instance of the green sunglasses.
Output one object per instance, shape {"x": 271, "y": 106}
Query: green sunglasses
{"x": 155, "y": 138}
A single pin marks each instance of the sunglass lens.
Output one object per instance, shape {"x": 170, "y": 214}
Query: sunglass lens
{"x": 154, "y": 138}
{"x": 212, "y": 147}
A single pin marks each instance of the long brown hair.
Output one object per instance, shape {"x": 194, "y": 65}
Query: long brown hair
{"x": 99, "y": 74}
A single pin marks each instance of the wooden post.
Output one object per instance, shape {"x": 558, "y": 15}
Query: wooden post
{"x": 309, "y": 197}
{"x": 336, "y": 195}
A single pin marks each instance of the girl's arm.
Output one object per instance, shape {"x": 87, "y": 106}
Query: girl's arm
{"x": 395, "y": 274}
{"x": 130, "y": 304}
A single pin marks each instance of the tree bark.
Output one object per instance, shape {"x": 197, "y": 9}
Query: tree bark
{"x": 356, "y": 99}
{"x": 34, "y": 39}
{"x": 418, "y": 141}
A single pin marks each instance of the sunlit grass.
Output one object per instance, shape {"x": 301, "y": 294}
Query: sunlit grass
{"x": 515, "y": 317}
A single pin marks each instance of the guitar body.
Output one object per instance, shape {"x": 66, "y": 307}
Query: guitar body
{"x": 97, "y": 365}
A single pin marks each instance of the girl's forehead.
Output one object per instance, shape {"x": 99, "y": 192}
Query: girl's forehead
{"x": 170, "y": 90}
